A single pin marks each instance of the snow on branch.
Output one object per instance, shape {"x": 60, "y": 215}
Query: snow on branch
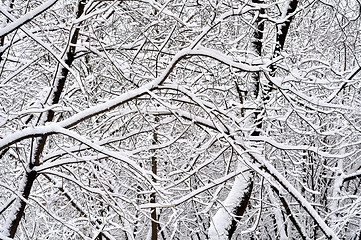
{"x": 17, "y": 23}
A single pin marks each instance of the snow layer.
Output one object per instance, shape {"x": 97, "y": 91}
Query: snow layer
{"x": 25, "y": 18}
{"x": 222, "y": 220}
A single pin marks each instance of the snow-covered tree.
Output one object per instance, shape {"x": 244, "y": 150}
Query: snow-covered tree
{"x": 180, "y": 119}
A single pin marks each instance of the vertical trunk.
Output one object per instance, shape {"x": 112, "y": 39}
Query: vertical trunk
{"x": 223, "y": 223}
{"x": 282, "y": 29}
{"x": 2, "y": 39}
{"x": 255, "y": 84}
{"x": 30, "y": 175}
{"x": 256, "y": 48}
{"x": 336, "y": 192}
{"x": 256, "y": 119}
{"x": 152, "y": 197}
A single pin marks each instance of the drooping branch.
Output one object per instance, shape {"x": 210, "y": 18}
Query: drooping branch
{"x": 289, "y": 213}
{"x": 26, "y": 18}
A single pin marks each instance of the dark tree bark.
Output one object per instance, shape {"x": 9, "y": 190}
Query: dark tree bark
{"x": 240, "y": 209}
{"x": 255, "y": 91}
{"x": 152, "y": 196}
{"x": 30, "y": 175}
{"x": 252, "y": 95}
{"x": 282, "y": 31}
{"x": 289, "y": 213}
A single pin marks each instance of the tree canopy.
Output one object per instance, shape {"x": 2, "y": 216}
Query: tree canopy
{"x": 180, "y": 119}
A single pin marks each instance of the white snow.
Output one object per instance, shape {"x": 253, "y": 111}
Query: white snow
{"x": 222, "y": 220}
{"x": 25, "y": 18}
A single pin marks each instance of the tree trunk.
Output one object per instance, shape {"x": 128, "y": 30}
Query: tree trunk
{"x": 152, "y": 197}
{"x": 30, "y": 175}
{"x": 223, "y": 224}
